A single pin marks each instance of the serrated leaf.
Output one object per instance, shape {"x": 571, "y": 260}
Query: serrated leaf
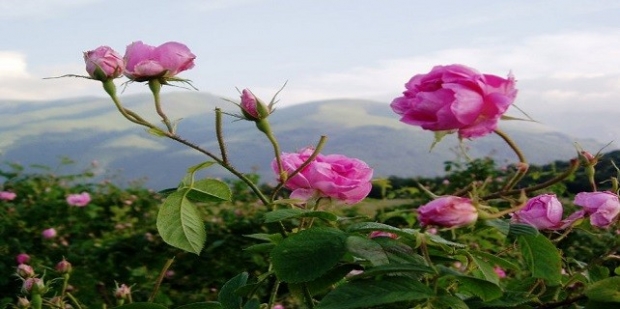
{"x": 442, "y": 241}
{"x": 484, "y": 289}
{"x": 448, "y": 302}
{"x": 227, "y": 296}
{"x": 202, "y": 305}
{"x": 374, "y": 293}
{"x": 180, "y": 225}
{"x": 606, "y": 290}
{"x": 367, "y": 249}
{"x": 503, "y": 263}
{"x": 309, "y": 254}
{"x": 394, "y": 269}
{"x": 209, "y": 190}
{"x": 260, "y": 248}
{"x": 486, "y": 269}
{"x": 517, "y": 229}
{"x": 541, "y": 257}
{"x": 142, "y": 305}
{"x": 503, "y": 226}
{"x": 365, "y": 227}
{"x": 285, "y": 214}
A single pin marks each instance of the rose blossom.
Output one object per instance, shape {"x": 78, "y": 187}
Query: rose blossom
{"x": 144, "y": 62}
{"x": 603, "y": 207}
{"x": 448, "y": 211}
{"x": 79, "y": 200}
{"x": 7, "y": 195}
{"x": 22, "y": 258}
{"x": 336, "y": 176}
{"x": 455, "y": 97}
{"x": 49, "y": 233}
{"x": 542, "y": 212}
{"x": 104, "y": 63}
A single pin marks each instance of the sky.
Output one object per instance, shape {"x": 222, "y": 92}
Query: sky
{"x": 564, "y": 54}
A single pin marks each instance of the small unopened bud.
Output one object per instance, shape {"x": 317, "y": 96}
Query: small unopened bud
{"x": 33, "y": 286}
{"x": 122, "y": 292}
{"x": 25, "y": 271}
{"x": 49, "y": 233}
{"x": 22, "y": 258}
{"x": 253, "y": 108}
{"x": 63, "y": 267}
{"x": 23, "y": 303}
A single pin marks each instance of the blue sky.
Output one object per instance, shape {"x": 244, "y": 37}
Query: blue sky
{"x": 565, "y": 54}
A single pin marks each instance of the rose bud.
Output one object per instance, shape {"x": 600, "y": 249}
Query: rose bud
{"x": 448, "y": 211}
{"x": 104, "y": 63}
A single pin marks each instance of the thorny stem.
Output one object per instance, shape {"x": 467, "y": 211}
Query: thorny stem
{"x": 317, "y": 150}
{"x": 160, "y": 278}
{"x": 263, "y": 125}
{"x": 219, "y": 135}
{"x": 574, "y": 164}
{"x": 110, "y": 89}
{"x": 155, "y": 86}
{"x": 521, "y": 171}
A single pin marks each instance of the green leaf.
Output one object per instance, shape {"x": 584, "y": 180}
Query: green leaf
{"x": 495, "y": 260}
{"x": 366, "y": 227}
{"x": 252, "y": 304}
{"x": 142, "y": 306}
{"x": 307, "y": 255}
{"x": 193, "y": 169}
{"x": 180, "y": 225}
{"x": 374, "y": 293}
{"x": 518, "y": 229}
{"x": 503, "y": 226}
{"x": 227, "y": 295}
{"x": 541, "y": 257}
{"x": 207, "y": 190}
{"x": 442, "y": 241}
{"x": 448, "y": 302}
{"x": 395, "y": 269}
{"x": 367, "y": 249}
{"x": 202, "y": 305}
{"x": 486, "y": 269}
{"x": 284, "y": 214}
{"x": 606, "y": 290}
{"x": 325, "y": 282}
{"x": 484, "y": 289}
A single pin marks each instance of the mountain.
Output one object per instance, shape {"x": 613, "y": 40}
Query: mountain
{"x": 91, "y": 129}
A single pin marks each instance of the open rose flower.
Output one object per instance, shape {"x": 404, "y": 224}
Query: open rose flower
{"x": 603, "y": 207}
{"x": 104, "y": 63}
{"x": 79, "y": 200}
{"x": 455, "y": 97}
{"x": 542, "y": 212}
{"x": 335, "y": 176}
{"x": 448, "y": 211}
{"x": 144, "y": 62}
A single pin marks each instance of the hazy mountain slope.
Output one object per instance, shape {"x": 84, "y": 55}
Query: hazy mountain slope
{"x": 87, "y": 129}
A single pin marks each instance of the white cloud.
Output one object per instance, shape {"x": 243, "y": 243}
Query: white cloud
{"x": 549, "y": 59}
{"x": 15, "y": 9}
{"x": 17, "y": 83}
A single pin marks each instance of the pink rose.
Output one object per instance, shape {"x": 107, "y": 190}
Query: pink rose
{"x": 63, "y": 267}
{"x": 104, "y": 63}
{"x": 79, "y": 200}
{"x": 22, "y": 258}
{"x": 544, "y": 212}
{"x": 144, "y": 62}
{"x": 499, "y": 272}
{"x": 335, "y": 176}
{"x": 603, "y": 207}
{"x": 448, "y": 211}
{"x": 455, "y": 97}
{"x": 25, "y": 271}
{"x": 7, "y": 195}
{"x": 49, "y": 233}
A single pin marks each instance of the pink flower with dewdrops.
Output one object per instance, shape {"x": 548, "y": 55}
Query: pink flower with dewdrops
{"x": 7, "y": 196}
{"x": 78, "y": 200}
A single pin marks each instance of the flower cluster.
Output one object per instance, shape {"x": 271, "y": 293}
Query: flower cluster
{"x": 141, "y": 62}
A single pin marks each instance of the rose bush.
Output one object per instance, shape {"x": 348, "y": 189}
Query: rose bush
{"x": 455, "y": 98}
